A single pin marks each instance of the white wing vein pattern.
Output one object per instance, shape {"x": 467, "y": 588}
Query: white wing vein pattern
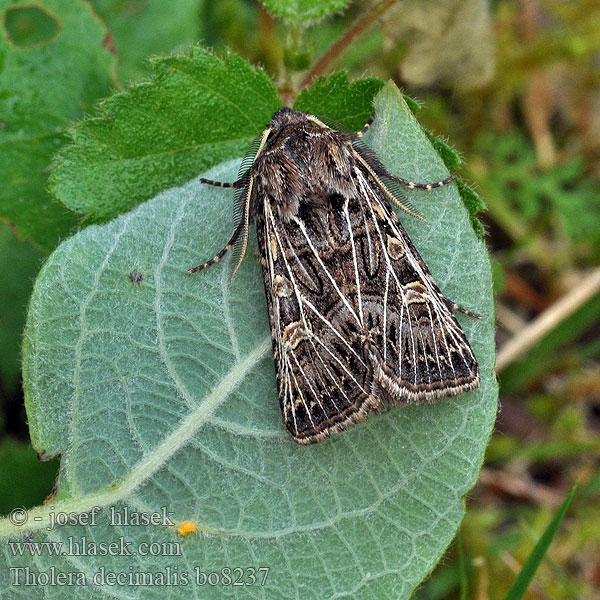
{"x": 319, "y": 366}
{"x": 311, "y": 337}
{"x": 445, "y": 326}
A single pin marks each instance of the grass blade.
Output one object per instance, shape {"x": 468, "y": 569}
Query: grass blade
{"x": 521, "y": 583}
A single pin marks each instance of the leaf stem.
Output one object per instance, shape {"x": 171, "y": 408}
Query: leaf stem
{"x": 343, "y": 43}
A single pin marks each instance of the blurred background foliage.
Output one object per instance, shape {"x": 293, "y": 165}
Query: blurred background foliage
{"x": 514, "y": 86}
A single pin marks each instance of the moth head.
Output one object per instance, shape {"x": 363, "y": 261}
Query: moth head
{"x": 287, "y": 116}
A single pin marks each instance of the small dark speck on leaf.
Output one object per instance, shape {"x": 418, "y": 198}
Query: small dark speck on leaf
{"x": 28, "y": 537}
{"x": 136, "y": 277}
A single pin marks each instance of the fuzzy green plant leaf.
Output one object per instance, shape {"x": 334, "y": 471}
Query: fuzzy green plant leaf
{"x": 158, "y": 390}
{"x": 350, "y": 104}
{"x": 449, "y": 156}
{"x": 474, "y": 204}
{"x": 196, "y": 112}
{"x": 298, "y": 11}
{"x": 470, "y": 197}
{"x": 54, "y": 66}
{"x": 414, "y": 106}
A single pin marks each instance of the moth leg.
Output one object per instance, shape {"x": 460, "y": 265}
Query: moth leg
{"x": 464, "y": 311}
{"x": 366, "y": 127}
{"x": 223, "y": 184}
{"x": 411, "y": 185}
{"x": 217, "y": 257}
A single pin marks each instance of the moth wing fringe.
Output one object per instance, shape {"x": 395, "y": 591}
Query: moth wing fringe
{"x": 358, "y": 415}
{"x": 403, "y": 392}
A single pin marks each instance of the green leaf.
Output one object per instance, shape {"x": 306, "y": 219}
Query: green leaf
{"x": 519, "y": 587}
{"x": 304, "y": 10}
{"x": 470, "y": 197}
{"x": 161, "y": 392}
{"x": 474, "y": 204}
{"x": 54, "y": 67}
{"x": 21, "y": 261}
{"x": 197, "y": 111}
{"x": 414, "y": 106}
{"x": 449, "y": 156}
{"x": 350, "y": 104}
{"x": 132, "y": 22}
{"x": 28, "y": 26}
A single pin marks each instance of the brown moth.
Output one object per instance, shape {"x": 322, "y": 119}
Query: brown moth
{"x": 357, "y": 320}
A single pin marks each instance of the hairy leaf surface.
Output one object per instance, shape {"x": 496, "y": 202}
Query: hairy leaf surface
{"x": 161, "y": 392}
{"x": 196, "y": 112}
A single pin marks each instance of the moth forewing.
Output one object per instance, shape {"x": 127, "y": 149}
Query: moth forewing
{"x": 357, "y": 320}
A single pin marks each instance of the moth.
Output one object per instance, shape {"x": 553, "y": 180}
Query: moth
{"x": 357, "y": 320}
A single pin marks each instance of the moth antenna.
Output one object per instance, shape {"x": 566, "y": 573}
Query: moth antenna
{"x": 243, "y": 226}
{"x": 223, "y": 184}
{"x": 244, "y": 186}
{"x": 365, "y": 127}
{"x": 217, "y": 257}
{"x": 405, "y": 208}
{"x": 387, "y": 192}
{"x": 464, "y": 311}
{"x": 411, "y": 185}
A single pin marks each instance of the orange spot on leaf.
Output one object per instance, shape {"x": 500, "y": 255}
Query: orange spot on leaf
{"x": 186, "y": 528}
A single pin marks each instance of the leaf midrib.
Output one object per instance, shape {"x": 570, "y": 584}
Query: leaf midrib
{"x": 154, "y": 460}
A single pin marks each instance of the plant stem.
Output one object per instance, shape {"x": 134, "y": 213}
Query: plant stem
{"x": 339, "y": 47}
{"x": 548, "y": 320}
